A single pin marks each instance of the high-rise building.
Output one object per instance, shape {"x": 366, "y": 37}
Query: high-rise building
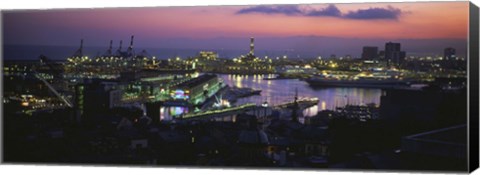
{"x": 393, "y": 53}
{"x": 370, "y": 52}
{"x": 449, "y": 53}
{"x": 251, "y": 55}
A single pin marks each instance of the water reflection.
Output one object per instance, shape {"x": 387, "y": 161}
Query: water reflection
{"x": 170, "y": 112}
{"x": 312, "y": 111}
{"x": 280, "y": 91}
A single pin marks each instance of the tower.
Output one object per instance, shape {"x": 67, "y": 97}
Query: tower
{"x": 252, "y": 47}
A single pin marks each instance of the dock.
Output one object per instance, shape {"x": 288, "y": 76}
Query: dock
{"x": 217, "y": 113}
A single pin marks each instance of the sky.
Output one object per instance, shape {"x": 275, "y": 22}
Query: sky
{"x": 419, "y": 25}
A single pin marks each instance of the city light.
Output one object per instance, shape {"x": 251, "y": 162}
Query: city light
{"x": 125, "y": 106}
{"x": 25, "y": 103}
{"x": 333, "y": 65}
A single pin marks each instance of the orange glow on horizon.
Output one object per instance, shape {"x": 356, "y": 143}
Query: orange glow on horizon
{"x": 418, "y": 20}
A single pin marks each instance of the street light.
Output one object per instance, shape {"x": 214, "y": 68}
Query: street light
{"x": 265, "y": 106}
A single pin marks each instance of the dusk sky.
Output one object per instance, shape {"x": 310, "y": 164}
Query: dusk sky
{"x": 228, "y": 26}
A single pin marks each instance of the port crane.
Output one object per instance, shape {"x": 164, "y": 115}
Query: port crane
{"x": 129, "y": 53}
{"x": 79, "y": 52}
{"x": 109, "y": 51}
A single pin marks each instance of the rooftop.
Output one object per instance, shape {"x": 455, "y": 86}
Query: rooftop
{"x": 197, "y": 81}
{"x": 448, "y": 142}
{"x": 455, "y": 135}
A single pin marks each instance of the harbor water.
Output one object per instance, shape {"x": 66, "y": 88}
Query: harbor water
{"x": 283, "y": 90}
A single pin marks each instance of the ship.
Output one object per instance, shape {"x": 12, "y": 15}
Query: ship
{"x": 302, "y": 103}
{"x": 244, "y": 92}
{"x": 364, "y": 80}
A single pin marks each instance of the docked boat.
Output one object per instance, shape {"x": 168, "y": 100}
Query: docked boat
{"x": 244, "y": 92}
{"x": 366, "y": 80}
{"x": 302, "y": 103}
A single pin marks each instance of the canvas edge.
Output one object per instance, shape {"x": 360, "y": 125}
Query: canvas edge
{"x": 473, "y": 93}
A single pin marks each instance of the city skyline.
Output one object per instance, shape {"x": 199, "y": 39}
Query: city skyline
{"x": 380, "y": 86}
{"x": 277, "y": 27}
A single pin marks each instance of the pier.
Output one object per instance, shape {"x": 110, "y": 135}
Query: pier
{"x": 231, "y": 111}
{"x": 212, "y": 114}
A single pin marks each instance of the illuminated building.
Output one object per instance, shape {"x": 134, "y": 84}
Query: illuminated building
{"x": 205, "y": 61}
{"x": 150, "y": 75}
{"x": 156, "y": 87}
{"x": 17, "y": 68}
{"x": 79, "y": 101}
{"x": 197, "y": 90}
{"x": 207, "y": 55}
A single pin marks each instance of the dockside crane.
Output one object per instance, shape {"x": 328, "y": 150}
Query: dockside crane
{"x": 79, "y": 52}
{"x": 109, "y": 51}
{"x": 130, "y": 51}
